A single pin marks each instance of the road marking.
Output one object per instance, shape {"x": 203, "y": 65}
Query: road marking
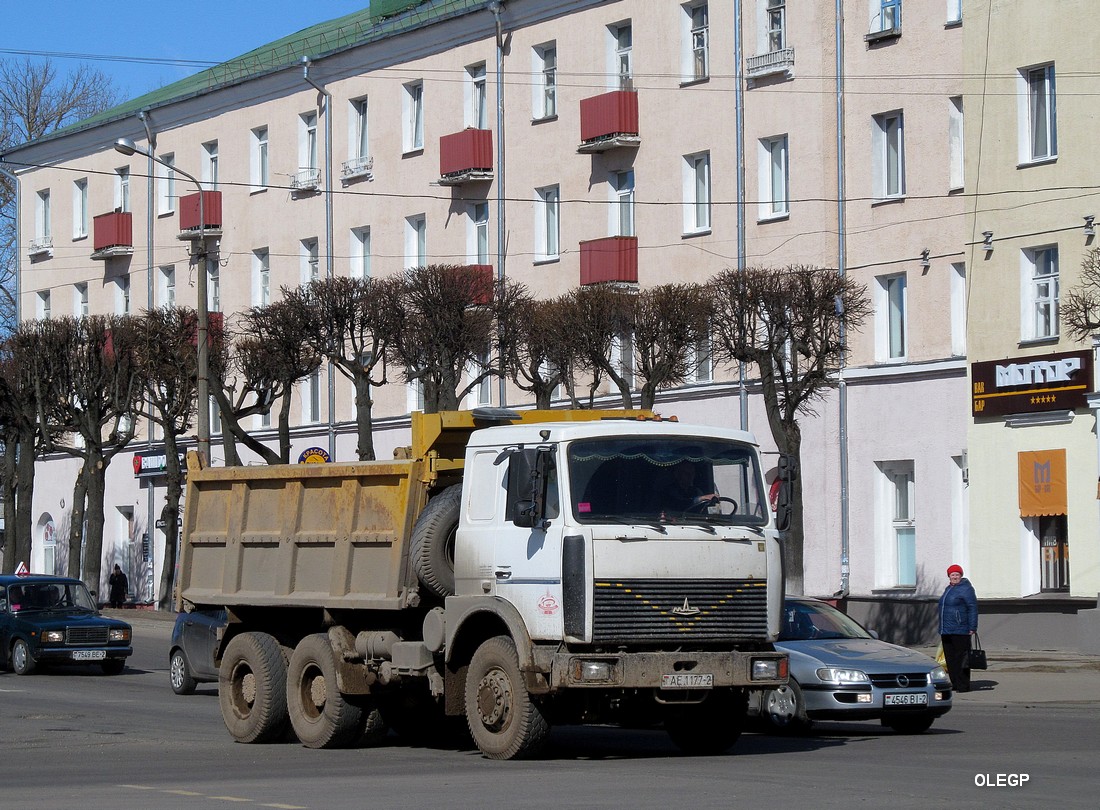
{"x": 198, "y": 795}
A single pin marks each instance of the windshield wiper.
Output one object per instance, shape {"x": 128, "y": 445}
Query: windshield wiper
{"x": 629, "y": 520}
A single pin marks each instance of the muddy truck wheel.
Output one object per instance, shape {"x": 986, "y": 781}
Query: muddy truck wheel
{"x": 252, "y": 688}
{"x": 504, "y": 721}
{"x": 320, "y": 715}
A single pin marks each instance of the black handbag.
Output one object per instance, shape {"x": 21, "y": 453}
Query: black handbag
{"x": 976, "y": 656}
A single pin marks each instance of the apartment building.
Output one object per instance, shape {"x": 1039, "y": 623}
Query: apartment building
{"x": 579, "y": 142}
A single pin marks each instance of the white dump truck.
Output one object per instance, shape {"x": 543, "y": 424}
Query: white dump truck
{"x": 516, "y": 568}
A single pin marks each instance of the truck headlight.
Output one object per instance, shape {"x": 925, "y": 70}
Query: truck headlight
{"x": 53, "y": 636}
{"x": 119, "y": 634}
{"x": 592, "y": 671}
{"x": 842, "y": 676}
{"x": 769, "y": 669}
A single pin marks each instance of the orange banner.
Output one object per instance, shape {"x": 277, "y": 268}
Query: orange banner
{"x": 1043, "y": 483}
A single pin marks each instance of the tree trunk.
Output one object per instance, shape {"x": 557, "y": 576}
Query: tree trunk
{"x": 170, "y": 515}
{"x": 10, "y": 489}
{"x": 76, "y": 524}
{"x": 363, "y": 425}
{"x": 93, "y": 552}
{"x": 20, "y": 529}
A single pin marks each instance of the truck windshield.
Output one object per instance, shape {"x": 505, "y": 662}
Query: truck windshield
{"x": 672, "y": 479}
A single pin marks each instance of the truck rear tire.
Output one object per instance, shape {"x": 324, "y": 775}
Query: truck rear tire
{"x": 320, "y": 715}
{"x": 707, "y": 728}
{"x": 252, "y": 688}
{"x": 504, "y": 721}
{"x": 433, "y": 542}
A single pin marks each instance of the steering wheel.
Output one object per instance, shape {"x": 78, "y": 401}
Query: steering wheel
{"x": 698, "y": 506}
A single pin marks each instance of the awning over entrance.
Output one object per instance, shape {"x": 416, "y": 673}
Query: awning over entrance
{"x": 1043, "y": 483}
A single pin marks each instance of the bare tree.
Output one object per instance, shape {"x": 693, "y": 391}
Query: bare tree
{"x": 1081, "y": 307}
{"x": 789, "y": 323}
{"x": 543, "y": 355}
{"x": 670, "y": 328}
{"x": 598, "y": 320}
{"x": 35, "y": 101}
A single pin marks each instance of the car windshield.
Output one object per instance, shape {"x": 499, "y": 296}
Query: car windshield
{"x": 665, "y": 480}
{"x": 31, "y": 596}
{"x": 804, "y": 621}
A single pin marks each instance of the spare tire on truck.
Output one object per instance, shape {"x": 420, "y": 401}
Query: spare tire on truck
{"x": 433, "y": 542}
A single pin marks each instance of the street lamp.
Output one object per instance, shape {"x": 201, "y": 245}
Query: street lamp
{"x": 202, "y": 384}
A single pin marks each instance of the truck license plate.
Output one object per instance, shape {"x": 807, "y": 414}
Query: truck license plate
{"x": 906, "y": 699}
{"x": 89, "y": 655}
{"x": 687, "y": 680}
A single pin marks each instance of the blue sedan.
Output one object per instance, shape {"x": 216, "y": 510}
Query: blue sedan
{"x": 840, "y": 671}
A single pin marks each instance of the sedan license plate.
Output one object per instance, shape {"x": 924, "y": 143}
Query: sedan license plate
{"x": 906, "y": 699}
{"x": 89, "y": 655}
{"x": 687, "y": 680}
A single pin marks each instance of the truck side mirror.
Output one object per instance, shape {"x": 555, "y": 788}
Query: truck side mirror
{"x": 528, "y": 470}
{"x": 788, "y": 472}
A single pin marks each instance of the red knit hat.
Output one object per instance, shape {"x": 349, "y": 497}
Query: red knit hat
{"x": 954, "y": 569}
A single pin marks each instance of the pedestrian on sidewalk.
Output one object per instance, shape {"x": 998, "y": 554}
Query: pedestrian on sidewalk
{"x": 958, "y": 622}
{"x": 118, "y": 587}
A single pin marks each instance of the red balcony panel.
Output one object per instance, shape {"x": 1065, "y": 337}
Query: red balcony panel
{"x": 215, "y": 328}
{"x": 212, "y": 211}
{"x": 613, "y": 258}
{"x": 113, "y": 230}
{"x": 614, "y": 113}
{"x": 468, "y": 150}
{"x": 482, "y": 277}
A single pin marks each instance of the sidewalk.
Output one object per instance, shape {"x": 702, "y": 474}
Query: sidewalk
{"x": 1033, "y": 677}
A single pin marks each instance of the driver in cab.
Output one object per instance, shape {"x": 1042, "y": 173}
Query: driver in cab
{"x": 683, "y": 493}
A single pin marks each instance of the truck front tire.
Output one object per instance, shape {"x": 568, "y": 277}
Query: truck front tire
{"x": 320, "y": 715}
{"x": 504, "y": 721}
{"x": 433, "y": 542}
{"x": 252, "y": 688}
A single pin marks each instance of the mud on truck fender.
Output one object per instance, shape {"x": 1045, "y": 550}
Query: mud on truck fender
{"x": 433, "y": 542}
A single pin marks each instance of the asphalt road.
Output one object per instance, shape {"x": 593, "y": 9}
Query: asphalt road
{"x": 79, "y": 739}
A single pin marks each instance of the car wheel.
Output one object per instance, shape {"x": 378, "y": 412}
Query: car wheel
{"x": 113, "y": 666}
{"x": 22, "y": 662}
{"x": 910, "y": 724}
{"x": 784, "y": 708}
{"x": 180, "y": 674}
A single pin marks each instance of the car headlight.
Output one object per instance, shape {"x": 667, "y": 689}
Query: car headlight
{"x": 939, "y": 674}
{"x": 119, "y": 634}
{"x": 841, "y": 676}
{"x": 52, "y": 636}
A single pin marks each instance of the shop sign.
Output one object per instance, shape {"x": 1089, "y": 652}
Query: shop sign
{"x": 154, "y": 464}
{"x": 1053, "y": 382}
{"x": 313, "y": 455}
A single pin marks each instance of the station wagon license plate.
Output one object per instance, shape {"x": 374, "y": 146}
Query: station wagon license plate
{"x": 906, "y": 699}
{"x": 89, "y": 655}
{"x": 687, "y": 680}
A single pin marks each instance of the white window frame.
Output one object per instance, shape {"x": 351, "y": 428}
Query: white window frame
{"x": 703, "y": 361}
{"x": 695, "y": 42}
{"x": 482, "y": 394}
{"x": 696, "y": 193}
{"x": 213, "y": 285}
{"x": 43, "y": 305}
{"x": 43, "y": 216}
{"x": 622, "y": 357}
{"x": 958, "y": 309}
{"x": 122, "y": 189}
{"x": 122, "y": 295}
{"x": 80, "y": 208}
{"x": 888, "y": 155}
{"x": 1038, "y": 114}
{"x": 309, "y": 260}
{"x": 261, "y": 277}
{"x": 891, "y": 293}
{"x": 620, "y": 56}
{"x": 360, "y": 252}
{"x": 955, "y": 143}
{"x": 885, "y": 15}
{"x": 477, "y": 233}
{"x": 210, "y": 165}
{"x": 896, "y": 565}
{"x": 412, "y": 108}
{"x": 80, "y": 300}
{"x": 774, "y": 177}
{"x": 544, "y": 81}
{"x": 1039, "y": 293}
{"x": 311, "y": 398}
{"x": 359, "y": 128}
{"x": 166, "y": 292}
{"x": 476, "y": 97}
{"x": 166, "y": 184}
{"x": 416, "y": 241}
{"x": 414, "y": 395}
{"x": 773, "y": 22}
{"x": 548, "y": 223}
{"x": 954, "y": 12}
{"x": 621, "y": 218}
{"x": 259, "y": 161}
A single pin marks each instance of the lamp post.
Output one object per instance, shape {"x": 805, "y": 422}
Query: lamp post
{"x": 202, "y": 384}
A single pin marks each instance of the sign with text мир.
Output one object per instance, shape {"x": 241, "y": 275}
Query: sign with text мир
{"x": 1051, "y": 382}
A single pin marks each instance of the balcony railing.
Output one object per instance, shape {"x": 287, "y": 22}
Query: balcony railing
{"x": 306, "y": 180}
{"x": 481, "y": 278}
{"x": 41, "y": 247}
{"x": 357, "y": 167}
{"x": 112, "y": 235}
{"x": 465, "y": 157}
{"x": 611, "y": 259}
{"x": 609, "y": 121}
{"x": 211, "y": 212}
{"x": 770, "y": 64}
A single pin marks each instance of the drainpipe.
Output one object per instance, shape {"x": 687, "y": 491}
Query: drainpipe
{"x": 739, "y": 115}
{"x": 150, "y": 502}
{"x": 18, "y": 247}
{"x": 495, "y": 7}
{"x": 328, "y": 242}
{"x": 842, "y": 260}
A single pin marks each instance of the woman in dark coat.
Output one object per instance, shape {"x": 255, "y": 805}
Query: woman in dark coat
{"x": 958, "y": 622}
{"x": 118, "y": 588}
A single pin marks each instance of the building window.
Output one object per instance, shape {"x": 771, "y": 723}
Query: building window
{"x": 213, "y": 286}
{"x": 308, "y": 261}
{"x": 1053, "y": 553}
{"x": 360, "y": 253}
{"x": 416, "y": 241}
{"x": 547, "y": 223}
{"x": 1039, "y": 137}
{"x": 482, "y": 394}
{"x": 42, "y": 306}
{"x": 413, "y": 127}
{"x": 703, "y": 361}
{"x": 774, "y": 182}
{"x": 122, "y": 295}
{"x": 80, "y": 208}
{"x": 695, "y": 56}
{"x": 477, "y": 234}
{"x": 261, "y": 277}
{"x": 414, "y": 394}
{"x": 210, "y": 165}
{"x": 955, "y": 141}
{"x": 168, "y": 286}
{"x": 476, "y": 98}
{"x": 122, "y": 189}
{"x": 954, "y": 11}
{"x": 166, "y": 184}
{"x": 888, "y": 160}
{"x": 1039, "y": 296}
{"x": 311, "y": 402}
{"x": 899, "y": 508}
{"x": 80, "y": 300}
{"x": 622, "y": 64}
{"x": 622, "y": 207}
{"x": 43, "y": 217}
{"x": 776, "y": 22}
{"x": 958, "y": 309}
{"x": 885, "y": 15}
{"x": 359, "y": 133}
{"x": 890, "y": 318}
{"x": 545, "y": 85}
{"x": 259, "y": 166}
{"x": 696, "y": 182}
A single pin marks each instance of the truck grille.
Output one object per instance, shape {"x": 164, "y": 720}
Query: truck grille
{"x": 642, "y": 610}
{"x": 86, "y": 635}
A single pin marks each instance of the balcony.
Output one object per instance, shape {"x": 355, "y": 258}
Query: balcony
{"x": 357, "y": 167}
{"x": 609, "y": 121}
{"x": 112, "y": 235}
{"x": 481, "y": 278}
{"x": 466, "y": 157}
{"x": 770, "y": 64}
{"x": 308, "y": 179}
{"x": 611, "y": 259}
{"x": 40, "y": 248}
{"x": 190, "y": 224}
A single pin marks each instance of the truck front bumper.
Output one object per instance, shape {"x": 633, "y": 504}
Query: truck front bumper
{"x": 555, "y": 670}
